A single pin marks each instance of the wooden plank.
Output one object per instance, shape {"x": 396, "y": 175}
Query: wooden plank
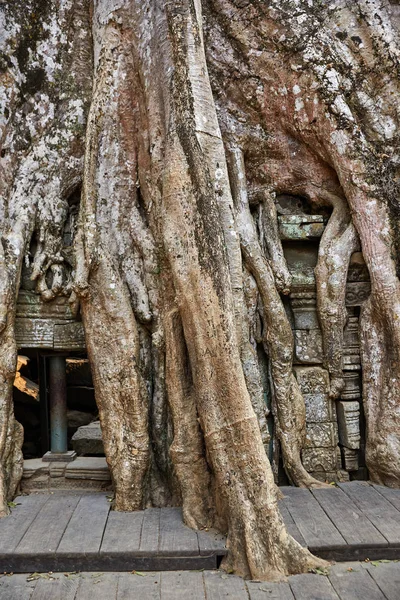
{"x": 98, "y": 585}
{"x": 219, "y": 586}
{"x": 182, "y": 585}
{"x": 314, "y": 525}
{"x": 122, "y": 561}
{"x": 312, "y": 587}
{"x": 211, "y": 542}
{"x": 85, "y": 529}
{"x": 175, "y": 538}
{"x": 357, "y": 584}
{"x": 59, "y": 588}
{"x": 45, "y": 532}
{"x": 16, "y": 587}
{"x": 122, "y": 532}
{"x": 146, "y": 587}
{"x": 349, "y": 553}
{"x": 291, "y": 526}
{"x": 379, "y": 511}
{"x": 13, "y": 527}
{"x": 352, "y": 523}
{"x": 387, "y": 576}
{"x": 149, "y": 539}
{"x": 263, "y": 590}
{"x": 392, "y": 495}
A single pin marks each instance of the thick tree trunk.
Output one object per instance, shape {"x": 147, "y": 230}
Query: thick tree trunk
{"x": 201, "y": 112}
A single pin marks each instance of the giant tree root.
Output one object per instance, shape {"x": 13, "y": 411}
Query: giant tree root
{"x": 187, "y": 449}
{"x": 290, "y": 408}
{"x": 121, "y": 396}
{"x": 338, "y": 243}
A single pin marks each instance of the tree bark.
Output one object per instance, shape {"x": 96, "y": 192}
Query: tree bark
{"x": 200, "y": 113}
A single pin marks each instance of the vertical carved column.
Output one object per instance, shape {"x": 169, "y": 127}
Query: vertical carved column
{"x": 58, "y": 411}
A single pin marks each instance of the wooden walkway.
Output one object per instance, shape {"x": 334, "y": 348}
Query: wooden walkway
{"x": 78, "y": 532}
{"x": 346, "y": 581}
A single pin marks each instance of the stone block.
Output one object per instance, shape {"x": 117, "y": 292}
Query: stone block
{"x": 352, "y": 388}
{"x": 351, "y": 339}
{"x": 301, "y": 227}
{"x": 321, "y": 435}
{"x": 69, "y": 336}
{"x": 319, "y": 459}
{"x": 34, "y": 333}
{"x": 57, "y": 469}
{"x": 78, "y": 418}
{"x": 352, "y": 363}
{"x": 357, "y": 292}
{"x": 319, "y": 408}
{"x": 88, "y": 439}
{"x": 301, "y": 260}
{"x": 312, "y": 380}
{"x": 308, "y": 346}
{"x": 34, "y": 466}
{"x": 305, "y": 314}
{"x": 31, "y": 306}
{"x": 350, "y": 459}
{"x": 358, "y": 270}
{"x": 348, "y": 415}
{"x": 327, "y": 477}
{"x": 88, "y": 468}
{"x": 314, "y": 385}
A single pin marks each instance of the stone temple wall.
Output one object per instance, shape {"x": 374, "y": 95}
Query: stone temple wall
{"x": 334, "y": 445}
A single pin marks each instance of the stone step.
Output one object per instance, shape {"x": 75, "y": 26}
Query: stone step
{"x": 88, "y": 439}
{"x": 85, "y": 473}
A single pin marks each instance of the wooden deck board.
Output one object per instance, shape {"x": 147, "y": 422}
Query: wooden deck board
{"x": 387, "y": 577}
{"x": 354, "y": 526}
{"x": 100, "y": 585}
{"x": 150, "y": 536}
{"x": 346, "y": 581}
{"x": 182, "y": 585}
{"x": 211, "y": 542}
{"x": 58, "y": 587}
{"x": 290, "y": 524}
{"x": 78, "y": 532}
{"x": 390, "y": 494}
{"x": 354, "y": 584}
{"x": 85, "y": 529}
{"x": 175, "y": 538}
{"x": 16, "y": 587}
{"x": 379, "y": 511}
{"x": 314, "y": 525}
{"x": 122, "y": 532}
{"x": 132, "y": 587}
{"x": 46, "y": 530}
{"x": 263, "y": 590}
{"x": 308, "y": 586}
{"x": 219, "y": 586}
{"x": 14, "y": 526}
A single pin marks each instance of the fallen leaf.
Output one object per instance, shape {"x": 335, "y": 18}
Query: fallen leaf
{"x": 36, "y": 576}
